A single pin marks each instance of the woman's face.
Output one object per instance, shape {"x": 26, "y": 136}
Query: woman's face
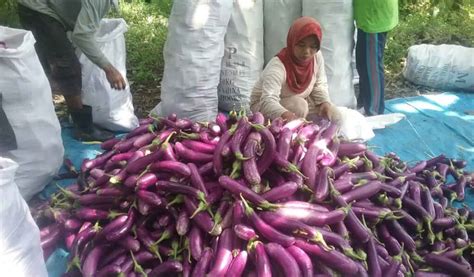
{"x": 306, "y": 48}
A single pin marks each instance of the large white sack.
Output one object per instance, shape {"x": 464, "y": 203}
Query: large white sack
{"x": 441, "y": 66}
{"x": 243, "y": 55}
{"x": 337, "y": 22}
{"x": 193, "y": 54}
{"x": 28, "y": 106}
{"x": 111, "y": 109}
{"x": 278, "y": 17}
{"x": 20, "y": 251}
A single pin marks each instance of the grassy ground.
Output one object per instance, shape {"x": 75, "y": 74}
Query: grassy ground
{"x": 420, "y": 22}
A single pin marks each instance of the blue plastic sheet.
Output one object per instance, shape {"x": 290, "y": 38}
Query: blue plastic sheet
{"x": 435, "y": 124}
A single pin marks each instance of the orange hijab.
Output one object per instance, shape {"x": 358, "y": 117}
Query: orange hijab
{"x": 299, "y": 73}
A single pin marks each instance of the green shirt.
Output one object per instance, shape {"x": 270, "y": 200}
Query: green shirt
{"x": 82, "y": 17}
{"x": 376, "y": 16}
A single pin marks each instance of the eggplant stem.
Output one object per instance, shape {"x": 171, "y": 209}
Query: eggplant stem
{"x": 137, "y": 267}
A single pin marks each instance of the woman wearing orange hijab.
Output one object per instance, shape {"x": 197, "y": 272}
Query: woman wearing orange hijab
{"x": 294, "y": 84}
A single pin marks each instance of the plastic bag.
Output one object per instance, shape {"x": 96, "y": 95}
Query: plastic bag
{"x": 20, "y": 251}
{"x": 354, "y": 125}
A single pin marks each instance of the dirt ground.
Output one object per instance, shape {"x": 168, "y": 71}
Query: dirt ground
{"x": 145, "y": 97}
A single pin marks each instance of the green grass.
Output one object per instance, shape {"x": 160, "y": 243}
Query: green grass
{"x": 148, "y": 23}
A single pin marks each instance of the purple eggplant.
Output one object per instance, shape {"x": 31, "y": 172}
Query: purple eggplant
{"x": 122, "y": 231}
{"x": 321, "y": 189}
{"x": 165, "y": 268}
{"x": 109, "y": 270}
{"x": 150, "y": 198}
{"x": 203, "y": 263}
{"x": 269, "y": 150}
{"x": 362, "y": 192}
{"x": 223, "y": 257}
{"x": 266, "y": 230}
{"x": 439, "y": 261}
{"x": 89, "y": 268}
{"x": 91, "y": 214}
{"x": 242, "y": 131}
{"x": 286, "y": 261}
{"x": 303, "y": 260}
{"x": 191, "y": 155}
{"x": 245, "y": 232}
{"x": 249, "y": 165}
{"x": 195, "y": 243}
{"x": 374, "y": 266}
{"x": 128, "y": 242}
{"x": 237, "y": 189}
{"x": 182, "y": 224}
{"x": 173, "y": 167}
{"x": 401, "y": 235}
{"x": 145, "y": 181}
{"x": 202, "y": 219}
{"x": 217, "y": 157}
{"x": 260, "y": 259}
{"x": 285, "y": 190}
{"x": 196, "y": 179}
{"x": 312, "y": 217}
{"x": 199, "y": 146}
{"x": 332, "y": 258}
{"x": 237, "y": 266}
{"x": 284, "y": 143}
{"x": 174, "y": 187}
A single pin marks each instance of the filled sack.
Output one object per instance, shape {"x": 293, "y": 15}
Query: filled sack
{"x": 30, "y": 129}
{"x": 278, "y": 15}
{"x": 20, "y": 251}
{"x": 193, "y": 54}
{"x": 243, "y": 55}
{"x": 446, "y": 67}
{"x": 337, "y": 22}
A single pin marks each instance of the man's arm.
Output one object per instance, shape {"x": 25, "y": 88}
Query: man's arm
{"x": 83, "y": 36}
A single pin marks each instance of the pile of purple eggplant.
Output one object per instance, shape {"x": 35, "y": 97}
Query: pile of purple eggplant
{"x": 243, "y": 197}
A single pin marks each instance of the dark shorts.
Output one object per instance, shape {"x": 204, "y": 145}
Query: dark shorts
{"x": 55, "y": 51}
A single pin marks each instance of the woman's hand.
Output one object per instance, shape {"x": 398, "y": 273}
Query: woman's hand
{"x": 325, "y": 110}
{"x": 114, "y": 77}
{"x": 288, "y": 116}
{"x": 331, "y": 112}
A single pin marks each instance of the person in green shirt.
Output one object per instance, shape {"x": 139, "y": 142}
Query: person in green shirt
{"x": 49, "y": 21}
{"x": 374, "y": 18}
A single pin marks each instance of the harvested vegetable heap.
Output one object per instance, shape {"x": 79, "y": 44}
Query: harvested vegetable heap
{"x": 238, "y": 197}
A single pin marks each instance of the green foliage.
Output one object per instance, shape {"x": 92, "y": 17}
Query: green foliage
{"x": 8, "y": 13}
{"x": 148, "y": 26}
{"x": 430, "y": 22}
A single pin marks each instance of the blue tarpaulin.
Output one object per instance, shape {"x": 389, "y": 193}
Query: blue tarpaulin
{"x": 434, "y": 125}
